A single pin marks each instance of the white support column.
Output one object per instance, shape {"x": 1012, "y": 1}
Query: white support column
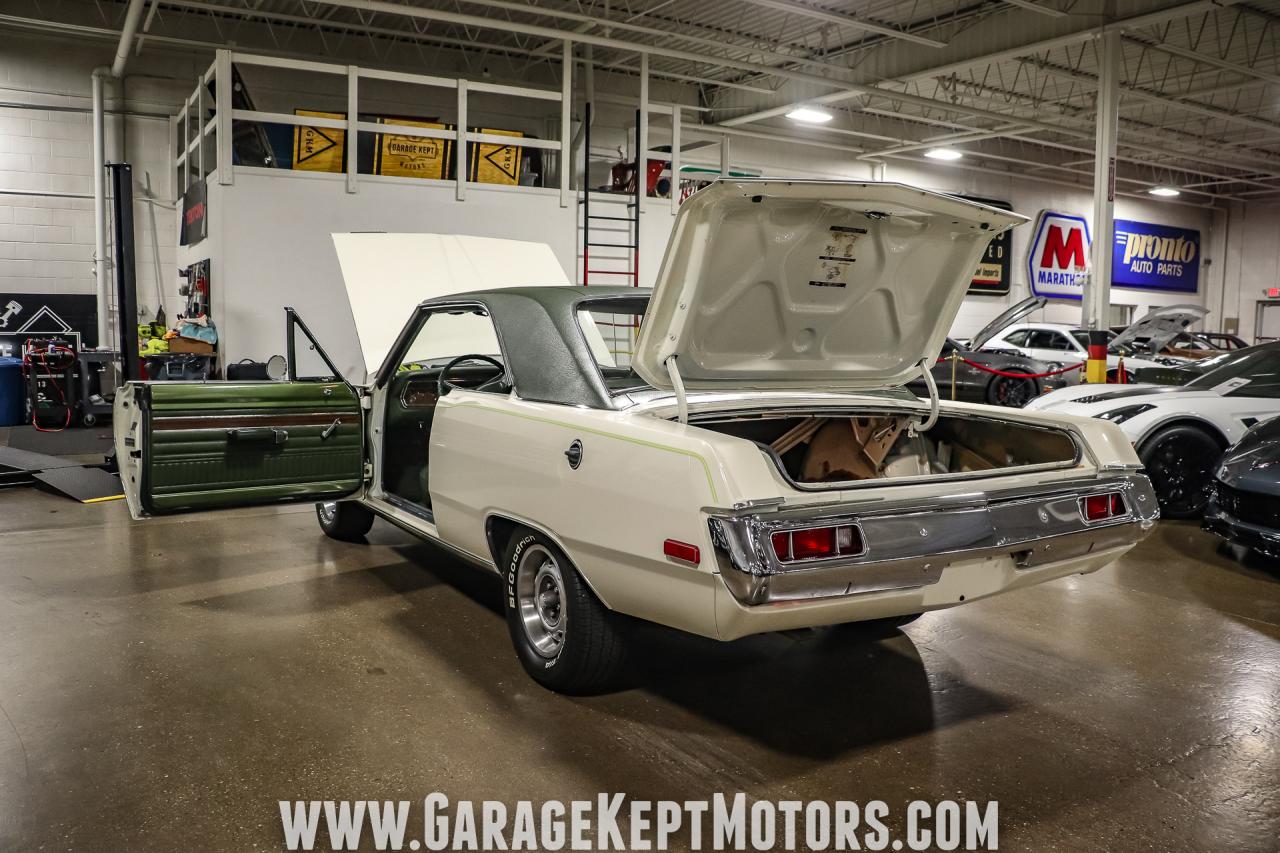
{"x": 724, "y": 156}
{"x": 101, "y": 286}
{"x": 675, "y": 158}
{"x": 460, "y": 144}
{"x": 353, "y": 129}
{"x": 186, "y": 145}
{"x": 1097, "y": 292}
{"x": 566, "y": 104}
{"x": 222, "y": 105}
{"x": 199, "y": 126}
{"x": 642, "y": 156}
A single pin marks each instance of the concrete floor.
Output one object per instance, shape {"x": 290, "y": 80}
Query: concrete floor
{"x": 164, "y": 684}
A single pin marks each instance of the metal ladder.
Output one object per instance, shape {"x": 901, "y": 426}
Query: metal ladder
{"x": 633, "y": 219}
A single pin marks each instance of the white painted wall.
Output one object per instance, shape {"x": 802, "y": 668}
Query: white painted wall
{"x": 271, "y": 246}
{"x": 1251, "y": 263}
{"x": 47, "y": 242}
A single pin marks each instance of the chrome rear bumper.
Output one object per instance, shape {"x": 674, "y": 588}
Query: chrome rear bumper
{"x": 910, "y": 544}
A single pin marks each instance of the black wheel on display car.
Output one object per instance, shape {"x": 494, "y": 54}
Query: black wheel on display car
{"x": 346, "y": 521}
{"x": 566, "y": 639}
{"x": 1010, "y": 391}
{"x": 1180, "y": 460}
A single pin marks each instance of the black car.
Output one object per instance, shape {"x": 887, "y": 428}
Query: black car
{"x": 1244, "y": 506}
{"x": 975, "y": 385}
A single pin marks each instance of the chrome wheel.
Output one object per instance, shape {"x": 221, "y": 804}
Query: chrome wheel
{"x": 540, "y": 597}
{"x": 328, "y": 512}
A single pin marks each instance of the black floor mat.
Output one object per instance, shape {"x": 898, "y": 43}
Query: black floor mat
{"x": 73, "y": 441}
{"x": 87, "y": 485}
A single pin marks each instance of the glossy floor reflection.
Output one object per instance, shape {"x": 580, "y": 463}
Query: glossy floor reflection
{"x": 164, "y": 684}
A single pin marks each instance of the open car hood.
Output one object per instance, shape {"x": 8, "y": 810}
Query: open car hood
{"x": 1006, "y": 319}
{"x": 388, "y": 275}
{"x": 772, "y": 284}
{"x": 1159, "y": 327}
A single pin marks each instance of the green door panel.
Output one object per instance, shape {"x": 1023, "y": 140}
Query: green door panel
{"x": 224, "y": 444}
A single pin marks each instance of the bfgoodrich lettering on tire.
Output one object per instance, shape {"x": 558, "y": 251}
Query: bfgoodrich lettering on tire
{"x": 565, "y": 638}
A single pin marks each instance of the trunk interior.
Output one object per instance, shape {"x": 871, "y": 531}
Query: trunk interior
{"x": 821, "y": 448}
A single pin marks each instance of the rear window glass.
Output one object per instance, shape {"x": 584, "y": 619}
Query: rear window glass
{"x": 611, "y": 330}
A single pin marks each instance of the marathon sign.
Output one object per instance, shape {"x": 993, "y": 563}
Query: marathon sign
{"x": 1155, "y": 257}
{"x": 1058, "y": 258}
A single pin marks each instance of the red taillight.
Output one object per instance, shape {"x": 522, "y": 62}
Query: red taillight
{"x": 681, "y": 551}
{"x": 1101, "y": 507}
{"x": 816, "y": 543}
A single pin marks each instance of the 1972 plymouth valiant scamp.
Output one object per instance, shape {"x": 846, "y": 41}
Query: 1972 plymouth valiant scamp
{"x": 752, "y": 464}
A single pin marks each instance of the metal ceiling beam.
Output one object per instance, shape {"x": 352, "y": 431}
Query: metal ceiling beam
{"x": 1174, "y": 50}
{"x": 1134, "y": 22}
{"x": 844, "y": 20}
{"x": 1036, "y": 7}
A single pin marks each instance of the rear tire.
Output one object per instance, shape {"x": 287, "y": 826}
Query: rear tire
{"x": 1010, "y": 391}
{"x": 565, "y": 638}
{"x": 1180, "y": 460}
{"x": 346, "y": 521}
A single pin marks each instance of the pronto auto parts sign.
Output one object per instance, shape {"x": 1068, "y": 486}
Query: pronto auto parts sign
{"x": 1155, "y": 257}
{"x": 1058, "y": 258}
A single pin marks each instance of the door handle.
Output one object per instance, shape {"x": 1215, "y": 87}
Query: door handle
{"x": 330, "y": 429}
{"x": 268, "y": 434}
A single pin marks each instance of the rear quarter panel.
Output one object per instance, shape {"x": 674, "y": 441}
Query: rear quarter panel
{"x": 641, "y": 481}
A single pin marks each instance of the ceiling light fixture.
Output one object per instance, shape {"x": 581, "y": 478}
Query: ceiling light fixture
{"x": 1165, "y": 192}
{"x": 943, "y": 154}
{"x": 809, "y": 115}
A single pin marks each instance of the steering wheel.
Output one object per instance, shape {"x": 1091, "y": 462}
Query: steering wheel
{"x": 443, "y": 385}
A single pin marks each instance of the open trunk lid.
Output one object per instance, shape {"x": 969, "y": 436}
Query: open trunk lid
{"x": 1159, "y": 327}
{"x": 771, "y": 284}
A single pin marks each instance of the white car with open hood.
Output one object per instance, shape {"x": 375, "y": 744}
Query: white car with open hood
{"x": 756, "y": 467}
{"x": 1140, "y": 345}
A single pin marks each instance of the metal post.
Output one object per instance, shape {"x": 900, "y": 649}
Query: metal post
{"x": 199, "y": 126}
{"x": 566, "y": 102}
{"x": 641, "y": 190}
{"x": 675, "y": 158}
{"x": 126, "y": 280}
{"x": 460, "y": 143}
{"x": 100, "y": 211}
{"x": 222, "y": 106}
{"x": 642, "y": 138}
{"x": 1097, "y": 290}
{"x": 353, "y": 128}
{"x": 724, "y": 156}
{"x": 586, "y": 194}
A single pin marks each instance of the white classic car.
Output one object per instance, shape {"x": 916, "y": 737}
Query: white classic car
{"x": 1140, "y": 345}
{"x": 1181, "y": 432}
{"x": 751, "y": 464}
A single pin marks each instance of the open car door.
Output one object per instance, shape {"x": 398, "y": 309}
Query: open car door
{"x": 190, "y": 446}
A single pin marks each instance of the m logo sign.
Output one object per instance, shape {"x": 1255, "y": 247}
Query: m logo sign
{"x": 1058, "y": 258}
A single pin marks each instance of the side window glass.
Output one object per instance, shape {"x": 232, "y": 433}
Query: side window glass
{"x": 1018, "y": 338}
{"x": 448, "y": 334}
{"x": 1059, "y": 341}
{"x": 445, "y": 335}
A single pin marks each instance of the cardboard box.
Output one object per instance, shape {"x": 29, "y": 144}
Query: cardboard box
{"x": 190, "y": 345}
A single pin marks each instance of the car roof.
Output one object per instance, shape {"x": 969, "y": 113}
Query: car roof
{"x": 548, "y": 357}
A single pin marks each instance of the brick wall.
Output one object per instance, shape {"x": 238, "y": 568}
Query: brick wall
{"x": 47, "y": 241}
